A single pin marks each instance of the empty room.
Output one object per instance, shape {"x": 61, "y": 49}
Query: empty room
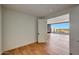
{"x": 39, "y": 29}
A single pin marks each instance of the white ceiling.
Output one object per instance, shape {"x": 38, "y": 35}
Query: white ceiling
{"x": 39, "y": 9}
{"x": 59, "y": 19}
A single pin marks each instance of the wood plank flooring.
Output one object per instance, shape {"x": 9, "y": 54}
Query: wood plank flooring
{"x": 57, "y": 45}
{"x": 32, "y": 49}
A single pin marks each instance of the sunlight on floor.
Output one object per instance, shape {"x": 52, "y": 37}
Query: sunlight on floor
{"x": 58, "y": 43}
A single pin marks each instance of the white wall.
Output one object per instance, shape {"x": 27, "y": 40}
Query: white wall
{"x": 18, "y": 29}
{"x": 74, "y": 30}
{"x": 0, "y": 30}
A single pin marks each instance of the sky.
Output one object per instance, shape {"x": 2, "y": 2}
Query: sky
{"x": 60, "y": 26}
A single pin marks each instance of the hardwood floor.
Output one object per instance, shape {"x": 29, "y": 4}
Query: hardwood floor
{"x": 32, "y": 49}
{"x": 57, "y": 45}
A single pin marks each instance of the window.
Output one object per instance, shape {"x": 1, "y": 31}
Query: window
{"x": 60, "y": 27}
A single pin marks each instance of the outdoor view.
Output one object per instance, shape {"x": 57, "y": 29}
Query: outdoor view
{"x": 60, "y": 28}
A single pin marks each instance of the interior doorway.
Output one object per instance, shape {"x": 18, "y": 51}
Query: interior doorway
{"x": 58, "y": 32}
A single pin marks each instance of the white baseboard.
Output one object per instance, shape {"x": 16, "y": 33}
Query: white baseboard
{"x": 19, "y": 46}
